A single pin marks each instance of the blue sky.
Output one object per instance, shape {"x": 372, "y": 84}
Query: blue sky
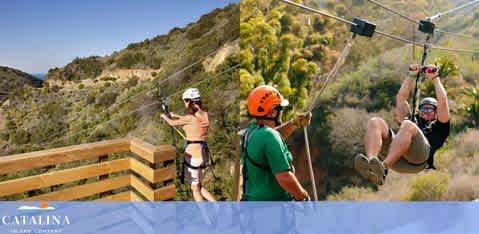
{"x": 38, "y": 35}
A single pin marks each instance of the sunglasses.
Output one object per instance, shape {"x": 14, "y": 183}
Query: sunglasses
{"x": 426, "y": 110}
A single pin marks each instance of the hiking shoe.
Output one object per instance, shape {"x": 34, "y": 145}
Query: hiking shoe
{"x": 377, "y": 170}
{"x": 361, "y": 165}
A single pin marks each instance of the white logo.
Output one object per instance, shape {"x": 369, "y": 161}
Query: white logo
{"x": 36, "y": 208}
{"x": 43, "y": 223}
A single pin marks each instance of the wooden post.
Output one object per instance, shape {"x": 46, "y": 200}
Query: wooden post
{"x": 101, "y": 159}
{"x": 155, "y": 166}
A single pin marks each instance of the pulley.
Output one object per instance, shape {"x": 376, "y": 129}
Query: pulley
{"x": 362, "y": 27}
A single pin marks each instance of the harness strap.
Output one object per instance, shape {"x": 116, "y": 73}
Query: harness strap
{"x": 417, "y": 164}
{"x": 418, "y": 80}
{"x": 194, "y": 167}
{"x": 246, "y": 138}
{"x": 195, "y": 142}
{"x": 204, "y": 151}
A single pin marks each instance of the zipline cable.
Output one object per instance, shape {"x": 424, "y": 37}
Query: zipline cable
{"x": 455, "y": 34}
{"x": 323, "y": 13}
{"x": 415, "y": 21}
{"x": 332, "y": 73}
{"x": 455, "y": 50}
{"x": 394, "y": 37}
{"x": 438, "y": 15}
{"x": 315, "y": 102}
{"x": 394, "y": 11}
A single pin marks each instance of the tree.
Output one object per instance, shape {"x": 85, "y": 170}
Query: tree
{"x": 472, "y": 107}
{"x": 273, "y": 52}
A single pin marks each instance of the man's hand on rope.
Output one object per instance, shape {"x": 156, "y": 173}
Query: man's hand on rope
{"x": 430, "y": 71}
{"x": 304, "y": 196}
{"x": 414, "y": 70}
{"x": 303, "y": 119}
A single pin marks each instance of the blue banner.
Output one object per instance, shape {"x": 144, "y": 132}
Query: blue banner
{"x": 234, "y": 217}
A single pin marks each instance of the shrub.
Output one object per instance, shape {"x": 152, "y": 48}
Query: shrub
{"x": 81, "y": 86}
{"x": 55, "y": 88}
{"x": 129, "y": 59}
{"x": 82, "y": 68}
{"x": 19, "y": 137}
{"x": 429, "y": 186}
{"x": 106, "y": 99}
{"x": 348, "y": 127}
{"x": 127, "y": 123}
{"x": 460, "y": 154}
{"x": 463, "y": 188}
{"x": 156, "y": 62}
{"x": 132, "y": 82}
{"x": 472, "y": 106}
{"x": 465, "y": 144}
{"x": 47, "y": 129}
{"x": 204, "y": 25}
{"x": 341, "y": 10}
{"x": 53, "y": 110}
{"x": 90, "y": 99}
{"x": 108, "y": 78}
{"x": 352, "y": 194}
{"x": 134, "y": 46}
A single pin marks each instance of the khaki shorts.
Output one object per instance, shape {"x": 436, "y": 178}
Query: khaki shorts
{"x": 415, "y": 159}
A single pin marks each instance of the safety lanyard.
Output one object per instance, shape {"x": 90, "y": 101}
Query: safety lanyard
{"x": 426, "y": 48}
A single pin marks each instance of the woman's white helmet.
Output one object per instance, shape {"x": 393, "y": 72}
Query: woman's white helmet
{"x": 192, "y": 94}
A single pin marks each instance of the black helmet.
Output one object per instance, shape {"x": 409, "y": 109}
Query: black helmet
{"x": 428, "y": 101}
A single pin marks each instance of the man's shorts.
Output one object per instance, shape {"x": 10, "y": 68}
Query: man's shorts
{"x": 415, "y": 159}
{"x": 193, "y": 176}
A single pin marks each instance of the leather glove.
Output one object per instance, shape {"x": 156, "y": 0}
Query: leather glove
{"x": 430, "y": 71}
{"x": 303, "y": 119}
{"x": 414, "y": 70}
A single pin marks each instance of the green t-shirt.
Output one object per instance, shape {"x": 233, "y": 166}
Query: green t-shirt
{"x": 266, "y": 147}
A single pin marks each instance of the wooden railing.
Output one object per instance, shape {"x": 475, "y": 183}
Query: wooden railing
{"x": 127, "y": 169}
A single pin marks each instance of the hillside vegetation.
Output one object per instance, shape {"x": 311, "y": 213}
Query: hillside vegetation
{"x": 284, "y": 46}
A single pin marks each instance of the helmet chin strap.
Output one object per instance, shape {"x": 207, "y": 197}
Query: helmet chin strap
{"x": 276, "y": 119}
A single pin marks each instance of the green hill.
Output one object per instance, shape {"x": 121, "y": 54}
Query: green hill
{"x": 164, "y": 53}
{"x": 12, "y": 79}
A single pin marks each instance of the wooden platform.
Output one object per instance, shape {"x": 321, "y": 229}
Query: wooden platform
{"x": 127, "y": 169}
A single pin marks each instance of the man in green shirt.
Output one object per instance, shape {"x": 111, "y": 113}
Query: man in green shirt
{"x": 268, "y": 171}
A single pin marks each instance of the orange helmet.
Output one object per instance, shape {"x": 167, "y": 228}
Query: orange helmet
{"x": 262, "y": 99}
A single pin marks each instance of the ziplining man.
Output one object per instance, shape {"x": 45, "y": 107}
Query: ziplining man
{"x": 268, "y": 171}
{"x": 412, "y": 149}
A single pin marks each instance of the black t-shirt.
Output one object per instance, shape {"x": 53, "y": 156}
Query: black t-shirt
{"x": 436, "y": 133}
